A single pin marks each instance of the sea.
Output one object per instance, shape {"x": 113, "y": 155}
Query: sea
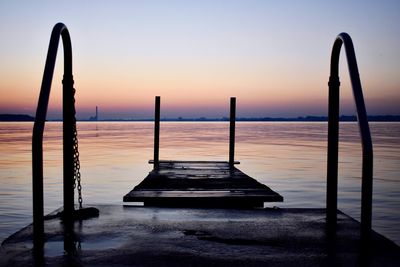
{"x": 289, "y": 157}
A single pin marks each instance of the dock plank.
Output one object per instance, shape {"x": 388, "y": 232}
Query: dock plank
{"x": 200, "y": 183}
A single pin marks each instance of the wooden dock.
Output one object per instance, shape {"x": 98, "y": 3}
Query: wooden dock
{"x": 208, "y": 184}
{"x": 201, "y": 184}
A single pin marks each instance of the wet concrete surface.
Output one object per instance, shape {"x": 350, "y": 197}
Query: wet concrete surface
{"x": 147, "y": 236}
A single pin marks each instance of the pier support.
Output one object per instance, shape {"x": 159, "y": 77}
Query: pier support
{"x": 157, "y": 133}
{"x": 232, "y": 127}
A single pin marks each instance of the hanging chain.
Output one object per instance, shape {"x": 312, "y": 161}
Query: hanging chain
{"x": 77, "y": 165}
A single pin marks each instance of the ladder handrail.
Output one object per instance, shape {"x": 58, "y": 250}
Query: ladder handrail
{"x": 68, "y": 134}
{"x": 333, "y": 135}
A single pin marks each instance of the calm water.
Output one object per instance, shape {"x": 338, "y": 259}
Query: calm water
{"x": 288, "y": 157}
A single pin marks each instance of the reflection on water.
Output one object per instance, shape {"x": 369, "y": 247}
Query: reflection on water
{"x": 290, "y": 157}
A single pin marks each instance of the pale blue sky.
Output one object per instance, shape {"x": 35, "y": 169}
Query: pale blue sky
{"x": 272, "y": 55}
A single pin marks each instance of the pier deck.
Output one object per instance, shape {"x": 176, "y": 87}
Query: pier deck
{"x": 200, "y": 184}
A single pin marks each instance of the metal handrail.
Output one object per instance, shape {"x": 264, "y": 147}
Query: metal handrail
{"x": 68, "y": 133}
{"x": 333, "y": 136}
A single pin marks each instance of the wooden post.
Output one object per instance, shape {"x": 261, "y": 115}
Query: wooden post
{"x": 232, "y": 133}
{"x": 156, "y": 133}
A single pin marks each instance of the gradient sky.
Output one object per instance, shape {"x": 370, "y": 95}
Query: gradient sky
{"x": 272, "y": 55}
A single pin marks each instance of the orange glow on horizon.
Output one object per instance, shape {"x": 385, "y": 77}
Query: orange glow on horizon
{"x": 197, "y": 55}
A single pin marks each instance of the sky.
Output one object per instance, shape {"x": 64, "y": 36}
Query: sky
{"x": 272, "y": 55}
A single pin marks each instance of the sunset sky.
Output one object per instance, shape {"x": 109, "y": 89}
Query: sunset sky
{"x": 272, "y": 55}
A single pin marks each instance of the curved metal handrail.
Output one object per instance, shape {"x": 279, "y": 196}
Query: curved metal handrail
{"x": 68, "y": 132}
{"x": 333, "y": 135}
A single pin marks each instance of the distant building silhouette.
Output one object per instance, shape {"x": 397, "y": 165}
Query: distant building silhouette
{"x": 96, "y": 117}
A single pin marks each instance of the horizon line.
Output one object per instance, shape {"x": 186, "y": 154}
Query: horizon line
{"x": 307, "y": 118}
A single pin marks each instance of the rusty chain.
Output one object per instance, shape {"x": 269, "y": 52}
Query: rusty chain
{"x": 77, "y": 165}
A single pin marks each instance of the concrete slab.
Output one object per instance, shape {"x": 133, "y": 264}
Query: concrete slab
{"x": 150, "y": 236}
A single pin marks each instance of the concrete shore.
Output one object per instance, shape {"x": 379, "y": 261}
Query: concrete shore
{"x": 147, "y": 236}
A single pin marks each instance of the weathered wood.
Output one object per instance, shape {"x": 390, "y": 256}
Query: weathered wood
{"x": 232, "y": 126}
{"x": 200, "y": 183}
{"x": 192, "y": 162}
{"x": 156, "y": 133}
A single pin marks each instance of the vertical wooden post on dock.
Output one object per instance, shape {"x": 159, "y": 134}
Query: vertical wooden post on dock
{"x": 156, "y": 133}
{"x": 232, "y": 132}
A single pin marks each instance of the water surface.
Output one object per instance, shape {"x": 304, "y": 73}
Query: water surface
{"x": 290, "y": 157}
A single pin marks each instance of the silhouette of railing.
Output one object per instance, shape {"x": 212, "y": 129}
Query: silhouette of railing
{"x": 333, "y": 136}
{"x": 68, "y": 131}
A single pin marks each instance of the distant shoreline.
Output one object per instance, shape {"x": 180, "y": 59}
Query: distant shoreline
{"x": 16, "y": 117}
{"x": 372, "y": 118}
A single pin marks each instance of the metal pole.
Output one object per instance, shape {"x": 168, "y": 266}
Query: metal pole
{"x": 367, "y": 160}
{"x": 156, "y": 132}
{"x": 38, "y": 128}
{"x": 367, "y": 149}
{"x": 68, "y": 144}
{"x": 332, "y": 166}
{"x": 232, "y": 132}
